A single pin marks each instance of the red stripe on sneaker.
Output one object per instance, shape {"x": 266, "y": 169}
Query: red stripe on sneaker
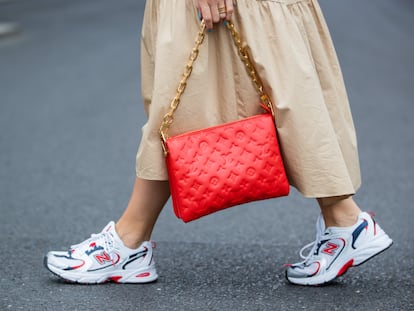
{"x": 143, "y": 275}
{"x": 115, "y": 278}
{"x": 345, "y": 267}
{"x": 317, "y": 270}
{"x": 75, "y": 267}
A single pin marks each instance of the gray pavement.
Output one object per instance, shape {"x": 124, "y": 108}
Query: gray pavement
{"x": 70, "y": 119}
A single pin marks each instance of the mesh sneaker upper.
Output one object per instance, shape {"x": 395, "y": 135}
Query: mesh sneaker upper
{"x": 103, "y": 255}
{"x": 336, "y": 249}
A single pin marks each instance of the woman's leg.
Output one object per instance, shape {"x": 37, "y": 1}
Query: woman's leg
{"x": 147, "y": 200}
{"x": 339, "y": 211}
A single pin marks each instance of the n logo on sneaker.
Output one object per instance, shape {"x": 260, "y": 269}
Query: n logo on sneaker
{"x": 103, "y": 257}
{"x": 330, "y": 248}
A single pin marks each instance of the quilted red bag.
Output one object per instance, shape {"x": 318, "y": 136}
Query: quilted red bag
{"x": 226, "y": 165}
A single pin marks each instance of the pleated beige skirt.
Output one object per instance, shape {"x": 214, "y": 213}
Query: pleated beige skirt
{"x": 295, "y": 58}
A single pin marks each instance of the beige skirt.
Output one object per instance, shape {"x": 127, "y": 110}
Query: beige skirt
{"x": 295, "y": 58}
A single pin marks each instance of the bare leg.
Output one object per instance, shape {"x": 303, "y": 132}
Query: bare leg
{"x": 339, "y": 211}
{"x": 147, "y": 200}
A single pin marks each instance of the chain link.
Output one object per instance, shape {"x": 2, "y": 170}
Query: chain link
{"x": 251, "y": 70}
{"x": 244, "y": 56}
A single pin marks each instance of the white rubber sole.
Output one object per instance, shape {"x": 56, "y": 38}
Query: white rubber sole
{"x": 139, "y": 276}
{"x": 375, "y": 246}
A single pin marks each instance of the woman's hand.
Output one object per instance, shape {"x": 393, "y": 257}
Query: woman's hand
{"x": 214, "y": 11}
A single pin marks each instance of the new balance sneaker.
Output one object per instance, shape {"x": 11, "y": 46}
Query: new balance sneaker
{"x": 337, "y": 249}
{"x": 104, "y": 257}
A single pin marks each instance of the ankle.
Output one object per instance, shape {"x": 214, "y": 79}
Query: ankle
{"x": 342, "y": 213}
{"x": 131, "y": 241}
{"x": 340, "y": 220}
{"x": 131, "y": 238}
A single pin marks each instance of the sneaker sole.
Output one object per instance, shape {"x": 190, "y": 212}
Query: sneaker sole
{"x": 141, "y": 276}
{"x": 377, "y": 246}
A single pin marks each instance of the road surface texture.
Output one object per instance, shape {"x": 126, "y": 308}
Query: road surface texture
{"x": 70, "y": 124}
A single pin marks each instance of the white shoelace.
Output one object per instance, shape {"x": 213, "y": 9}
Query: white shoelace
{"x": 320, "y": 227}
{"x": 103, "y": 238}
{"x": 108, "y": 241}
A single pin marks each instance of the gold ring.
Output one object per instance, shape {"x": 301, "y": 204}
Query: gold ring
{"x": 222, "y": 10}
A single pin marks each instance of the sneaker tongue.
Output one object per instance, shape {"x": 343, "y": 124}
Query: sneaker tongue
{"x": 110, "y": 227}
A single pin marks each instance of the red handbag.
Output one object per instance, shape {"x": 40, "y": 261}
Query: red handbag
{"x": 225, "y": 165}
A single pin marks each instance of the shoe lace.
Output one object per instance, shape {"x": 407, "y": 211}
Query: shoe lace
{"x": 105, "y": 239}
{"x": 320, "y": 227}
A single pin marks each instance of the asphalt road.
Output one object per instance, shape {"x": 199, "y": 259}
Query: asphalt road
{"x": 70, "y": 120}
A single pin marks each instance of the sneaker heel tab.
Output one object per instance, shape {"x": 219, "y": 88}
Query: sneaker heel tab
{"x": 153, "y": 244}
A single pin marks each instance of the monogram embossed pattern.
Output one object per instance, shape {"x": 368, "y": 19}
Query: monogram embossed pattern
{"x": 223, "y": 166}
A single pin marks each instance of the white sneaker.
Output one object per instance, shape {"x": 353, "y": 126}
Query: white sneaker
{"x": 337, "y": 249}
{"x": 102, "y": 258}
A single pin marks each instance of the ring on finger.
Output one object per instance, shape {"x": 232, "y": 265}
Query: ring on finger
{"x": 222, "y": 10}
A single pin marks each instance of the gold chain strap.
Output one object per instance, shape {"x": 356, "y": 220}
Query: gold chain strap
{"x": 244, "y": 56}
